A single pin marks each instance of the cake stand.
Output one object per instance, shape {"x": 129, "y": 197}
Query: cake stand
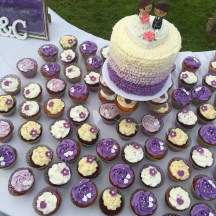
{"x": 130, "y": 96}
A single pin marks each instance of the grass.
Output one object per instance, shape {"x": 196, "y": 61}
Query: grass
{"x": 99, "y": 16}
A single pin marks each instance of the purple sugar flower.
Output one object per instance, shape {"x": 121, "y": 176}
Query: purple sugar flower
{"x": 127, "y": 101}
{"x": 26, "y": 107}
{"x": 8, "y": 102}
{"x": 6, "y": 83}
{"x": 82, "y": 115}
{"x": 165, "y": 105}
{"x": 136, "y": 145}
{"x": 113, "y": 191}
{"x": 70, "y": 70}
{"x": 70, "y": 41}
{"x": 180, "y": 201}
{"x": 66, "y": 125}
{"x": 43, "y": 205}
{"x": 33, "y": 133}
{"x": 50, "y": 104}
{"x": 69, "y": 57}
{"x": 185, "y": 110}
{"x": 152, "y": 171}
{"x": 200, "y": 150}
{"x": 181, "y": 172}
{"x": 184, "y": 76}
{"x": 49, "y": 154}
{"x": 128, "y": 120}
{"x": 90, "y": 159}
{"x": 203, "y": 108}
{"x": 27, "y": 92}
{"x": 163, "y": 96}
{"x": 213, "y": 83}
{"x": 172, "y": 133}
{"x": 93, "y": 130}
{"x": 65, "y": 172}
{"x": 92, "y": 78}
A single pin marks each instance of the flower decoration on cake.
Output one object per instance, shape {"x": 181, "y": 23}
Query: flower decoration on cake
{"x": 200, "y": 150}
{"x": 113, "y": 191}
{"x": 65, "y": 172}
{"x": 93, "y": 130}
{"x": 43, "y": 205}
{"x": 66, "y": 125}
{"x": 149, "y": 36}
{"x": 49, "y": 154}
{"x": 184, "y": 76}
{"x": 8, "y": 101}
{"x": 50, "y": 104}
{"x": 172, "y": 133}
{"x": 152, "y": 171}
{"x": 90, "y": 159}
{"x": 204, "y": 108}
{"x": 82, "y": 115}
{"x": 33, "y": 133}
{"x": 213, "y": 83}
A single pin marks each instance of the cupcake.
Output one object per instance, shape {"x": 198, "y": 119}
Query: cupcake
{"x": 30, "y": 132}
{"x": 179, "y": 169}
{"x": 39, "y": 157}
{"x": 151, "y": 125}
{"x": 143, "y": 202}
{"x": 159, "y": 101}
{"x": 177, "y": 198}
{"x": 201, "y": 94}
{"x": 155, "y": 148}
{"x": 93, "y": 63}
{"x": 106, "y": 98}
{"x": 170, "y": 214}
{"x": 32, "y": 91}
{"x": 28, "y": 67}
{"x": 79, "y": 93}
{"x": 7, "y": 105}
{"x": 60, "y": 129}
{"x": 162, "y": 110}
{"x": 201, "y": 158}
{"x": 50, "y": 70}
{"x": 10, "y": 84}
{"x": 212, "y": 66}
{"x": 210, "y": 81}
{"x": 180, "y": 98}
{"x": 30, "y": 110}
{"x": 68, "y": 42}
{"x": 152, "y": 176}
{"x": 108, "y": 149}
{"x": 202, "y": 209}
{"x": 54, "y": 108}
{"x": 89, "y": 167}
{"x": 132, "y": 153}
{"x": 69, "y": 57}
{"x": 104, "y": 86}
{"x": 121, "y": 176}
{"x": 84, "y": 193}
{"x": 127, "y": 128}
{"x": 177, "y": 139}
{"x": 47, "y": 201}
{"x": 186, "y": 119}
{"x": 21, "y": 181}
{"x": 8, "y": 156}
{"x": 68, "y": 150}
{"x": 111, "y": 201}
{"x": 88, "y": 134}
{"x": 88, "y": 48}
{"x": 73, "y": 73}
{"x": 58, "y": 174}
{"x": 207, "y": 136}
{"x": 204, "y": 188}
{"x": 109, "y": 113}
{"x": 78, "y": 114}
{"x": 104, "y": 52}
{"x": 6, "y": 130}
{"x": 206, "y": 113}
{"x": 187, "y": 80}
{"x": 56, "y": 87}
{"x": 191, "y": 63}
{"x": 48, "y": 52}
{"x": 92, "y": 80}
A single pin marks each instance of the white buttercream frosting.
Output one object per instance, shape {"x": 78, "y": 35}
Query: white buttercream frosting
{"x": 79, "y": 113}
{"x": 188, "y": 77}
{"x": 187, "y": 118}
{"x": 60, "y": 129}
{"x": 211, "y": 79}
{"x": 105, "y": 51}
{"x": 132, "y": 154}
{"x": 30, "y": 108}
{"x": 151, "y": 180}
{"x": 10, "y": 84}
{"x": 32, "y": 91}
{"x": 72, "y": 71}
{"x": 213, "y": 64}
{"x": 110, "y": 201}
{"x": 92, "y": 78}
{"x": 68, "y": 55}
{"x": 162, "y": 99}
{"x": 109, "y": 97}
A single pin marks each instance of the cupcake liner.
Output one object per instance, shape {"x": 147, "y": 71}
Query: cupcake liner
{"x": 103, "y": 100}
{"x": 7, "y": 138}
{"x": 187, "y": 68}
{"x": 14, "y": 162}
{"x": 49, "y": 76}
{"x": 12, "y": 191}
{"x": 212, "y": 210}
{"x": 177, "y": 106}
{"x": 59, "y": 94}
{"x": 197, "y": 101}
{"x": 154, "y": 106}
{"x": 55, "y": 192}
{"x": 158, "y": 169}
{"x": 78, "y": 100}
{"x": 38, "y": 98}
{"x": 86, "y": 55}
{"x": 31, "y": 73}
{"x": 74, "y": 61}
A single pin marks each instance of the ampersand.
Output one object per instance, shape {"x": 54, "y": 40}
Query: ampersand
{"x": 4, "y": 31}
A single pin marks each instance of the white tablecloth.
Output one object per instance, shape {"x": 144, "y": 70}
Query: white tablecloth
{"x": 12, "y": 50}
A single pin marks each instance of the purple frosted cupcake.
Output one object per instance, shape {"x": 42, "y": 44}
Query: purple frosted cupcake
{"x": 6, "y": 130}
{"x": 143, "y": 202}
{"x": 191, "y": 63}
{"x": 108, "y": 149}
{"x": 201, "y": 94}
{"x": 201, "y": 209}
{"x": 207, "y": 136}
{"x": 121, "y": 176}
{"x": 206, "y": 113}
{"x": 78, "y": 93}
{"x": 50, "y": 70}
{"x": 84, "y": 193}
{"x": 93, "y": 63}
{"x": 187, "y": 80}
{"x": 210, "y": 81}
{"x": 88, "y": 48}
{"x": 32, "y": 91}
{"x": 68, "y": 150}
{"x": 69, "y": 57}
{"x": 152, "y": 176}
{"x": 8, "y": 156}
{"x": 180, "y": 98}
{"x": 92, "y": 81}
{"x": 7, "y": 105}
{"x": 28, "y": 67}
{"x": 155, "y": 148}
{"x": 56, "y": 87}
{"x": 48, "y": 52}
{"x": 204, "y": 188}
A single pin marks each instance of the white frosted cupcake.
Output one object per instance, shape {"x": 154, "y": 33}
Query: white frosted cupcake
{"x": 32, "y": 91}
{"x": 210, "y": 81}
{"x": 159, "y": 101}
{"x": 73, "y": 73}
{"x": 69, "y": 57}
{"x": 92, "y": 80}
{"x": 187, "y": 80}
{"x": 206, "y": 113}
{"x": 11, "y": 84}
{"x": 106, "y": 98}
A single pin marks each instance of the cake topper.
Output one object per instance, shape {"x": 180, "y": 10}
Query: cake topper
{"x": 161, "y": 9}
{"x": 145, "y": 6}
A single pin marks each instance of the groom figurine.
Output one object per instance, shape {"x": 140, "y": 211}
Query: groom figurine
{"x": 160, "y": 9}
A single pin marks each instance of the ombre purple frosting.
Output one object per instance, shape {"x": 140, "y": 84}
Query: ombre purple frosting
{"x": 121, "y": 175}
{"x": 205, "y": 188}
{"x": 94, "y": 62}
{"x": 67, "y": 150}
{"x": 182, "y": 96}
{"x": 78, "y": 90}
{"x": 201, "y": 210}
{"x": 51, "y": 68}
{"x": 208, "y": 134}
{"x": 201, "y": 92}
{"x": 155, "y": 146}
{"x": 84, "y": 192}
{"x": 132, "y": 88}
{"x": 88, "y": 47}
{"x": 7, "y": 156}
{"x": 192, "y": 62}
{"x": 48, "y": 50}
{"x": 107, "y": 148}
{"x": 144, "y": 203}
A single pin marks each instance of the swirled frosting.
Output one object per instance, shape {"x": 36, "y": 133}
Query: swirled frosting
{"x": 30, "y": 130}
{"x": 68, "y": 41}
{"x": 79, "y": 113}
{"x": 105, "y": 52}
{"x": 109, "y": 97}
{"x": 151, "y": 123}
{"x": 30, "y": 108}
{"x": 72, "y": 71}
{"x": 26, "y": 64}
{"x": 162, "y": 99}
{"x": 6, "y": 103}
{"x": 133, "y": 152}
{"x": 92, "y": 78}
{"x": 201, "y": 209}
{"x": 78, "y": 90}
{"x": 187, "y": 117}
{"x": 208, "y": 134}
{"x": 127, "y": 127}
{"x": 87, "y": 132}
{"x": 202, "y": 93}
{"x": 5, "y": 128}
{"x": 163, "y": 109}
{"x": 56, "y": 85}
{"x": 88, "y": 47}
{"x": 109, "y": 111}
{"x": 121, "y": 175}
{"x": 51, "y": 68}
{"x": 84, "y": 192}
{"x": 182, "y": 96}
{"x": 211, "y": 80}
{"x": 144, "y": 203}
{"x": 32, "y": 90}
{"x": 178, "y": 137}
{"x": 192, "y": 62}
{"x": 205, "y": 188}
{"x": 41, "y": 156}
{"x": 125, "y": 102}
{"x": 7, "y": 156}
{"x": 94, "y": 62}
{"x": 10, "y": 83}
{"x": 188, "y": 77}
{"x": 87, "y": 166}
{"x": 60, "y": 129}
{"x": 55, "y": 106}
{"x": 207, "y": 111}
{"x": 22, "y": 179}
{"x": 48, "y": 50}
{"x": 68, "y": 55}
{"x": 213, "y": 64}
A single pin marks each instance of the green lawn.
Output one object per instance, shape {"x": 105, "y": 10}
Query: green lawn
{"x": 99, "y": 16}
